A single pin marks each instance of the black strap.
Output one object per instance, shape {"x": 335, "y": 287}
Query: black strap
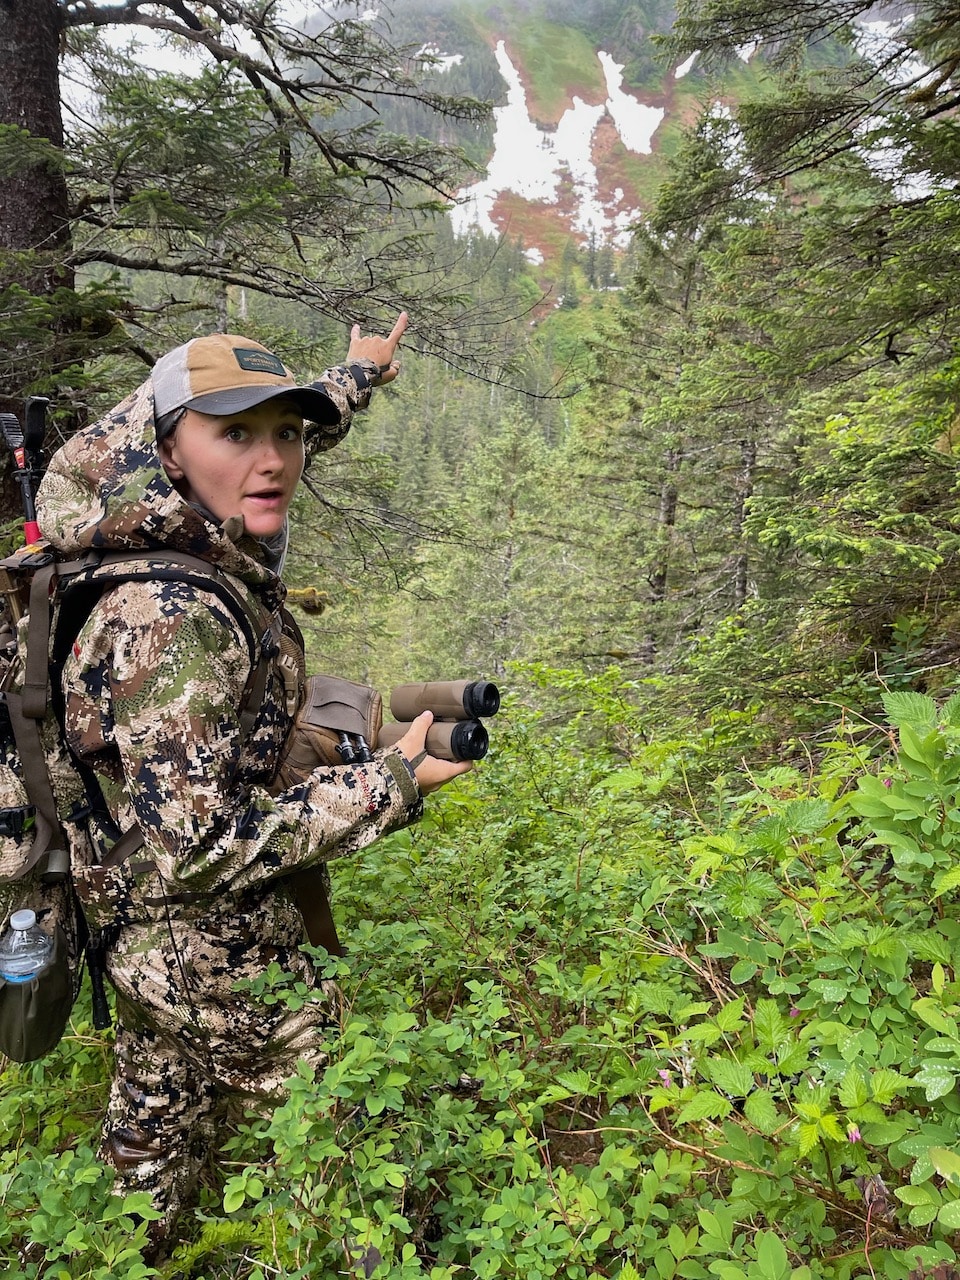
{"x": 310, "y": 895}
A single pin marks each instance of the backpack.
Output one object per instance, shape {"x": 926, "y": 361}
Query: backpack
{"x": 46, "y": 795}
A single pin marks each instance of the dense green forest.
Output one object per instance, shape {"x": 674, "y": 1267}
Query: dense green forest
{"x": 668, "y": 986}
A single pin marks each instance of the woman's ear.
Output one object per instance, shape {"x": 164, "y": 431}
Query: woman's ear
{"x": 167, "y": 448}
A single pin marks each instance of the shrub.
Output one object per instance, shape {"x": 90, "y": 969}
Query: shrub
{"x": 598, "y": 1020}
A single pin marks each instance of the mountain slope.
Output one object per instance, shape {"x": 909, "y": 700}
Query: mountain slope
{"x": 585, "y": 113}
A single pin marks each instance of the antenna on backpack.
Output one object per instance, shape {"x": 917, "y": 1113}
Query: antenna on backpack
{"x": 26, "y": 448}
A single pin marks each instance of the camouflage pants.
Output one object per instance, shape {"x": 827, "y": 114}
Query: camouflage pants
{"x": 168, "y": 1099}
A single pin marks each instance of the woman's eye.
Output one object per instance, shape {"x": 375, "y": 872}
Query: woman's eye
{"x": 291, "y": 433}
{"x": 235, "y": 433}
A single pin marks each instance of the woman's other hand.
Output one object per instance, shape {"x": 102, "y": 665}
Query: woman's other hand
{"x": 431, "y": 773}
{"x": 382, "y": 351}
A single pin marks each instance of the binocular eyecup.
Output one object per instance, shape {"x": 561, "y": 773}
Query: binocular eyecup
{"x": 446, "y": 739}
{"x": 447, "y": 699}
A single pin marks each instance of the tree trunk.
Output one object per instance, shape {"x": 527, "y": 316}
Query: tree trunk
{"x": 657, "y": 578}
{"x": 33, "y": 201}
{"x": 34, "y": 211}
{"x": 748, "y": 458}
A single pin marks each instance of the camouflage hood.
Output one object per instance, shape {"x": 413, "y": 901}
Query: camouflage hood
{"x": 106, "y": 490}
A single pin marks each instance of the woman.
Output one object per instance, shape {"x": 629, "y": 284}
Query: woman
{"x": 204, "y": 458}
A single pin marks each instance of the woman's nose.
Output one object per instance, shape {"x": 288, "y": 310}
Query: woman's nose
{"x": 270, "y": 456}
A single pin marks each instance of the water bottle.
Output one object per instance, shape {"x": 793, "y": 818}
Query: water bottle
{"x": 24, "y": 948}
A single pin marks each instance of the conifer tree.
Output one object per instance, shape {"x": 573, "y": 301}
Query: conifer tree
{"x": 135, "y": 202}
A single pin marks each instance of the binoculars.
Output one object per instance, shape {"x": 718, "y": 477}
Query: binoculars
{"x": 457, "y": 705}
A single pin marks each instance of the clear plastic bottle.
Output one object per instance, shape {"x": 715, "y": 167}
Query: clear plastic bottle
{"x": 24, "y": 948}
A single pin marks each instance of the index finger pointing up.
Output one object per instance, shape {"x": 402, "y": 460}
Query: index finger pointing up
{"x": 396, "y": 333}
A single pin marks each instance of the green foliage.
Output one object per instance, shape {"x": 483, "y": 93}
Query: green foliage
{"x": 59, "y": 1218}
{"x": 557, "y": 57}
{"x": 237, "y": 173}
{"x": 669, "y": 986}
{"x": 595, "y": 1017}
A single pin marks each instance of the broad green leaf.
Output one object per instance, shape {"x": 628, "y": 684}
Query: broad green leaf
{"x": 395, "y": 1023}
{"x": 884, "y": 1133}
{"x": 556, "y": 1093}
{"x": 944, "y": 1044}
{"x": 945, "y": 881}
{"x": 871, "y": 798}
{"x": 772, "y": 1256}
{"x": 885, "y": 1085}
{"x": 808, "y": 1110}
{"x": 576, "y": 1081}
{"x": 946, "y": 1163}
{"x": 832, "y": 1127}
{"x": 949, "y": 1215}
{"x": 731, "y": 1077}
{"x": 830, "y": 989}
{"x": 919, "y": 1144}
{"x": 853, "y": 1091}
{"x": 761, "y": 1110}
{"x": 935, "y": 1079}
{"x": 929, "y": 946}
{"x": 808, "y": 1137}
{"x": 705, "y": 1105}
{"x": 931, "y": 1013}
{"x": 914, "y": 709}
{"x": 906, "y": 851}
{"x": 905, "y": 806}
{"x": 676, "y": 1241}
{"x": 233, "y": 1198}
{"x": 742, "y": 971}
{"x": 919, "y": 749}
{"x": 716, "y": 950}
{"x": 924, "y": 1194}
{"x": 922, "y": 1215}
{"x": 769, "y": 1024}
{"x": 729, "y": 1016}
{"x": 705, "y": 1033}
{"x": 806, "y": 817}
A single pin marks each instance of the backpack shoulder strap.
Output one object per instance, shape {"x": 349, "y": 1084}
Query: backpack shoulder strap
{"x": 86, "y": 580}
{"x": 79, "y": 585}
{"x": 49, "y": 846}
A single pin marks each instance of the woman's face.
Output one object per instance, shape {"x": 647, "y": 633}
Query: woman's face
{"x": 245, "y": 464}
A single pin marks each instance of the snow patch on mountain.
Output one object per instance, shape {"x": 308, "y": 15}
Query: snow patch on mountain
{"x": 533, "y": 163}
{"x": 686, "y": 66}
{"x": 636, "y": 122}
{"x": 437, "y": 60}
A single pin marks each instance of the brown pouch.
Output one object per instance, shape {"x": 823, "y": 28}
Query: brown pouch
{"x": 330, "y": 707}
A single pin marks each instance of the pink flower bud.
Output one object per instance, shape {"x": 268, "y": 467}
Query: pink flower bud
{"x": 853, "y": 1133}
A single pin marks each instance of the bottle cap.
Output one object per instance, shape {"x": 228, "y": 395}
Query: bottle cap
{"x": 24, "y": 919}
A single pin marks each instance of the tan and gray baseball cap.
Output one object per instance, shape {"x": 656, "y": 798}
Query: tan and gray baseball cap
{"x": 225, "y": 374}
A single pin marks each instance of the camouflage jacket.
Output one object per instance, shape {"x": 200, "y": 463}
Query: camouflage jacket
{"x": 152, "y": 689}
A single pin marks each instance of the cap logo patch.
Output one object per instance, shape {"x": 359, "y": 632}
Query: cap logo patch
{"x": 254, "y": 361}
